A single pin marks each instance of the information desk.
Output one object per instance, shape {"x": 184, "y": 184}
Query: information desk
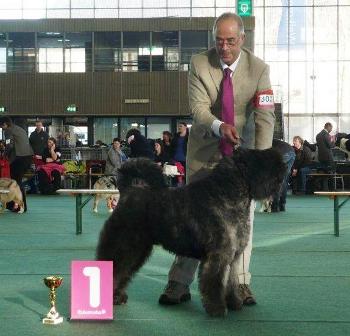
{"x": 335, "y": 196}
{"x": 79, "y": 203}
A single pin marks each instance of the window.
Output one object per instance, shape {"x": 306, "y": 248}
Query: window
{"x": 105, "y": 129}
{"x": 165, "y": 51}
{"x": 136, "y": 51}
{"x": 3, "y": 44}
{"x": 50, "y": 52}
{"x": 156, "y": 126}
{"x": 132, "y": 122}
{"x": 107, "y": 51}
{"x": 78, "y": 52}
{"x": 192, "y": 42}
{"x": 21, "y": 52}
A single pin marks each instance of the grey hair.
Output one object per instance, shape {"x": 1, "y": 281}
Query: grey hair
{"x": 229, "y": 15}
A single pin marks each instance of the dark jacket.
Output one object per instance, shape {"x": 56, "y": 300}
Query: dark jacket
{"x": 303, "y": 157}
{"x": 140, "y": 147}
{"x": 324, "y": 145}
{"x": 174, "y": 143}
{"x": 38, "y": 141}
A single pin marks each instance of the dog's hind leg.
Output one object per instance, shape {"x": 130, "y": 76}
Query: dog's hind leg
{"x": 213, "y": 276}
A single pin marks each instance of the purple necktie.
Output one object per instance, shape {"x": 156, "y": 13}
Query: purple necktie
{"x": 227, "y": 109}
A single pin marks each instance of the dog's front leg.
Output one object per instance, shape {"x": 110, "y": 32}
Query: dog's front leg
{"x": 213, "y": 275}
{"x": 233, "y": 298}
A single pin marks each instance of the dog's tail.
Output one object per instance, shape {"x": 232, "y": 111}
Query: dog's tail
{"x": 140, "y": 172}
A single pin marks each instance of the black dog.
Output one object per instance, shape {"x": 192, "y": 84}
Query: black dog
{"x": 206, "y": 220}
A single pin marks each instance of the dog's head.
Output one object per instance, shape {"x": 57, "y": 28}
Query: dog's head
{"x": 140, "y": 172}
{"x": 263, "y": 170}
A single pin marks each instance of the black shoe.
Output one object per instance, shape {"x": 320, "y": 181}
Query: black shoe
{"x": 282, "y": 207}
{"x": 275, "y": 210}
{"x": 246, "y": 295}
{"x": 175, "y": 293}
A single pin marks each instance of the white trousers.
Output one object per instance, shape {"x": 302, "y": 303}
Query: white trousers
{"x": 184, "y": 269}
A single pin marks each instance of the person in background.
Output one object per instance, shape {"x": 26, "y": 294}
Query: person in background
{"x": 139, "y": 145}
{"x": 166, "y": 142}
{"x": 19, "y": 153}
{"x": 38, "y": 139}
{"x": 302, "y": 165}
{"x": 49, "y": 173}
{"x": 4, "y": 162}
{"x": 179, "y": 144}
{"x": 160, "y": 156}
{"x": 115, "y": 158}
{"x": 325, "y": 145}
{"x": 227, "y": 85}
{"x": 288, "y": 154}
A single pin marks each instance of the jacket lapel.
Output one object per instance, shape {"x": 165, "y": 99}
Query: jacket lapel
{"x": 215, "y": 68}
{"x": 241, "y": 70}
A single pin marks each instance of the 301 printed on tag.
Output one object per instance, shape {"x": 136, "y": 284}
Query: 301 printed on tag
{"x": 92, "y": 290}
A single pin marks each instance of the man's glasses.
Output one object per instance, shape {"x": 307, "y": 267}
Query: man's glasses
{"x": 231, "y": 42}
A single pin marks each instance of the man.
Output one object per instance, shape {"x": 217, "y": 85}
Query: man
{"x": 288, "y": 155}
{"x": 18, "y": 151}
{"x": 221, "y": 106}
{"x": 325, "y": 145}
{"x": 302, "y": 165}
{"x": 38, "y": 139}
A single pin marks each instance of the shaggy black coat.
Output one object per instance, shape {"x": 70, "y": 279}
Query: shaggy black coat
{"x": 206, "y": 219}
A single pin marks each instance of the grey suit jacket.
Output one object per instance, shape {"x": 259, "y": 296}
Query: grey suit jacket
{"x": 250, "y": 77}
{"x": 324, "y": 145}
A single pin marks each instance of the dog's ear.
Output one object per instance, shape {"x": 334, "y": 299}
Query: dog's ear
{"x": 263, "y": 170}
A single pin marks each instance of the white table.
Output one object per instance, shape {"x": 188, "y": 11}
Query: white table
{"x": 79, "y": 204}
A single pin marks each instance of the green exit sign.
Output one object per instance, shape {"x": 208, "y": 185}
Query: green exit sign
{"x": 244, "y": 7}
{"x": 2, "y": 109}
{"x": 72, "y": 108}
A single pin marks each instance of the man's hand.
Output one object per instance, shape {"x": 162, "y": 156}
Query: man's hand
{"x": 230, "y": 133}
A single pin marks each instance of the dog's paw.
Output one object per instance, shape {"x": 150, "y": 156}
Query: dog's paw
{"x": 21, "y": 210}
{"x": 234, "y": 304}
{"x": 110, "y": 210}
{"x": 95, "y": 210}
{"x": 215, "y": 310}
{"x": 120, "y": 298}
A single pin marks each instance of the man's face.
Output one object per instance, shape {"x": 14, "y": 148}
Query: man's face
{"x": 329, "y": 129}
{"x": 38, "y": 126}
{"x": 4, "y": 126}
{"x": 228, "y": 40}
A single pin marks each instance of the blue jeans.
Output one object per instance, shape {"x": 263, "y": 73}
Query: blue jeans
{"x": 279, "y": 199}
{"x": 303, "y": 172}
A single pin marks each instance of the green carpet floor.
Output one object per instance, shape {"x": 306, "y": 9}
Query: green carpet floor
{"x": 301, "y": 275}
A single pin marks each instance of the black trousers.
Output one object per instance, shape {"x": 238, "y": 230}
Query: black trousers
{"x": 47, "y": 186}
{"x": 18, "y": 168}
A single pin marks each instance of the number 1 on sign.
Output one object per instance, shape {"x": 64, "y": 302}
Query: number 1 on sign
{"x": 93, "y": 273}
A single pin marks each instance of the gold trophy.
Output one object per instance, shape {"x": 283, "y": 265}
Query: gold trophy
{"x": 53, "y": 317}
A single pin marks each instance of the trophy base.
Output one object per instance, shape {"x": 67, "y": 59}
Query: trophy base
{"x": 57, "y": 320}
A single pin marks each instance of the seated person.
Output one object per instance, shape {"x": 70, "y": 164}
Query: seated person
{"x": 49, "y": 173}
{"x": 302, "y": 165}
{"x": 160, "y": 156}
{"x": 4, "y": 162}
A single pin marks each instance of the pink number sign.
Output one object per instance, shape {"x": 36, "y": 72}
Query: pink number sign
{"x": 92, "y": 290}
